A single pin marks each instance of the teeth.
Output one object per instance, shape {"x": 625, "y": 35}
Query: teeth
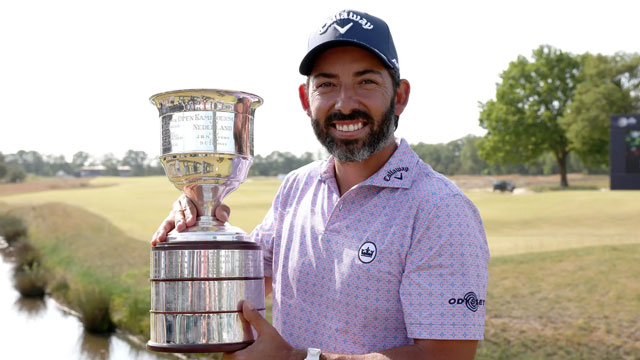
{"x": 349, "y": 128}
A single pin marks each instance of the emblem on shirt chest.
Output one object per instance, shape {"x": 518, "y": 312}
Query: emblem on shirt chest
{"x": 367, "y": 252}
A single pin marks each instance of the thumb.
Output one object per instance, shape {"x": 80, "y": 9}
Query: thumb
{"x": 254, "y": 318}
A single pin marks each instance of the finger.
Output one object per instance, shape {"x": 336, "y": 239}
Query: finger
{"x": 189, "y": 209}
{"x": 178, "y": 215}
{"x": 254, "y": 318}
{"x": 223, "y": 212}
{"x": 164, "y": 228}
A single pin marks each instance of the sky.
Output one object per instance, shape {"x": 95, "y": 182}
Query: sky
{"x": 77, "y": 75}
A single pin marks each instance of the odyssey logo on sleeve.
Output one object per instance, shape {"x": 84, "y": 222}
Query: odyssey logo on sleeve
{"x": 470, "y": 300}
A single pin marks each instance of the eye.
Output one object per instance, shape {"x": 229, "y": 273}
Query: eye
{"x": 368, "y": 82}
{"x": 325, "y": 84}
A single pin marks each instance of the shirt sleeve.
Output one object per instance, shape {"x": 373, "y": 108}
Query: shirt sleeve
{"x": 444, "y": 284}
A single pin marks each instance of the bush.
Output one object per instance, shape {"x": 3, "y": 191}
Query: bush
{"x": 25, "y": 255}
{"x": 30, "y": 281}
{"x": 29, "y": 276}
{"x": 12, "y": 228}
{"x": 15, "y": 174}
{"x": 93, "y": 305}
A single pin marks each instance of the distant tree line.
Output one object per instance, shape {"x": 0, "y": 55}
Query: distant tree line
{"x": 15, "y": 167}
{"x": 457, "y": 157}
{"x": 462, "y": 156}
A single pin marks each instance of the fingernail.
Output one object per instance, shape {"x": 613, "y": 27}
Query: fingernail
{"x": 249, "y": 304}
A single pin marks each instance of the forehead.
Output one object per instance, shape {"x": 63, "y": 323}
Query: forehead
{"x": 346, "y": 59}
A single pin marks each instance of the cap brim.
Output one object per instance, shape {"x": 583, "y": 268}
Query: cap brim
{"x": 306, "y": 66}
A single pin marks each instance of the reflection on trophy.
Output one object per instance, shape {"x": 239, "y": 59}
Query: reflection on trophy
{"x": 200, "y": 276}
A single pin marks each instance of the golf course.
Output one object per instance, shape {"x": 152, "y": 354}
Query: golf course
{"x": 564, "y": 272}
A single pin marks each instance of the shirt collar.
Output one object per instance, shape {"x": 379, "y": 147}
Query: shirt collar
{"x": 398, "y": 171}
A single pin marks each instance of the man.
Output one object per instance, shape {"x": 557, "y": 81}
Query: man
{"x": 370, "y": 254}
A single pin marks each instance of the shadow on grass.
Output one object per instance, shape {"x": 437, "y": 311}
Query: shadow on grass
{"x": 545, "y": 188}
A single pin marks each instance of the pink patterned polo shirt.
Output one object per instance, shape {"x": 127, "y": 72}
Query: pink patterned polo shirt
{"x": 402, "y": 255}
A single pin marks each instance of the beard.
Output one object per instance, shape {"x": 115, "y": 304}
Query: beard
{"x": 351, "y": 150}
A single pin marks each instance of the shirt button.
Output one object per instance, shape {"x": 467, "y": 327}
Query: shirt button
{"x": 340, "y": 207}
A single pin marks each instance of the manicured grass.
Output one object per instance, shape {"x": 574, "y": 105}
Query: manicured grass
{"x": 515, "y": 224}
{"x": 138, "y": 205}
{"x": 555, "y": 220}
{"x": 563, "y": 272}
{"x": 570, "y": 304}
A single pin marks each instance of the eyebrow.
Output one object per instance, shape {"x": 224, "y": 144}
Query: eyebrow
{"x": 368, "y": 71}
{"x": 325, "y": 75}
{"x": 357, "y": 74}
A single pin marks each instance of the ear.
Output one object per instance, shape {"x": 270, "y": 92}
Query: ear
{"x": 304, "y": 98}
{"x": 402, "y": 96}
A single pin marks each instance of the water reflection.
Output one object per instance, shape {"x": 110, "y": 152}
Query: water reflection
{"x": 31, "y": 307}
{"x": 33, "y": 328}
{"x": 94, "y": 347}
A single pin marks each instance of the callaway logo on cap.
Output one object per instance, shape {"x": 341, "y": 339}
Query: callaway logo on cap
{"x": 352, "y": 28}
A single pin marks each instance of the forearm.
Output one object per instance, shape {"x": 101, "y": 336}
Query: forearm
{"x": 400, "y": 353}
{"x": 422, "y": 349}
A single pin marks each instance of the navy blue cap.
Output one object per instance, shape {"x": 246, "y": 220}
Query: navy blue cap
{"x": 352, "y": 28}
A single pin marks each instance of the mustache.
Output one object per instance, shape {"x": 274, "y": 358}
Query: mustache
{"x": 353, "y": 115}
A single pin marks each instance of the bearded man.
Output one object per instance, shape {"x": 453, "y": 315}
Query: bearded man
{"x": 370, "y": 254}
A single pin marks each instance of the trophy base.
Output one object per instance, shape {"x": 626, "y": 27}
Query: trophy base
{"x": 197, "y": 290}
{"x": 197, "y": 348}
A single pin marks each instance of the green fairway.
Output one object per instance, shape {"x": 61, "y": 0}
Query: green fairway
{"x": 563, "y": 275}
{"x": 138, "y": 205}
{"x": 515, "y": 224}
{"x": 570, "y": 304}
{"x": 555, "y": 220}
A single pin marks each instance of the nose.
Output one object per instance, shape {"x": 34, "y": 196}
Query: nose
{"x": 347, "y": 100}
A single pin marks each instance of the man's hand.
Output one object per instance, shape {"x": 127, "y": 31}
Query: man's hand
{"x": 183, "y": 215}
{"x": 269, "y": 345}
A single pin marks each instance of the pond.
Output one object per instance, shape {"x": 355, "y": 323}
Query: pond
{"x": 32, "y": 328}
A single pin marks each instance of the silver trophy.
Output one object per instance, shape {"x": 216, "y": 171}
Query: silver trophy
{"x": 200, "y": 276}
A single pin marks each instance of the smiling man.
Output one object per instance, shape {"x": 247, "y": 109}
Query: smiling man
{"x": 369, "y": 254}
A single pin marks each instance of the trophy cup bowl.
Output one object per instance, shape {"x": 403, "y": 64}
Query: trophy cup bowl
{"x": 199, "y": 277}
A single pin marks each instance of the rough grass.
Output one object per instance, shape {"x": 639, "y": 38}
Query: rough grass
{"x": 85, "y": 252}
{"x": 12, "y": 228}
{"x": 93, "y": 303}
{"x": 30, "y": 281}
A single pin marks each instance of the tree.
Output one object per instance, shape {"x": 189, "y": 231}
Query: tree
{"x": 79, "y": 160}
{"x": 608, "y": 85}
{"x": 58, "y": 163}
{"x": 470, "y": 162}
{"x": 3, "y": 167}
{"x": 522, "y": 122}
{"x": 30, "y": 162}
{"x": 110, "y": 162}
{"x": 136, "y": 160}
{"x": 15, "y": 174}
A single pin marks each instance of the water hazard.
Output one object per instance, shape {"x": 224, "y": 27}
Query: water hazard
{"x": 39, "y": 329}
